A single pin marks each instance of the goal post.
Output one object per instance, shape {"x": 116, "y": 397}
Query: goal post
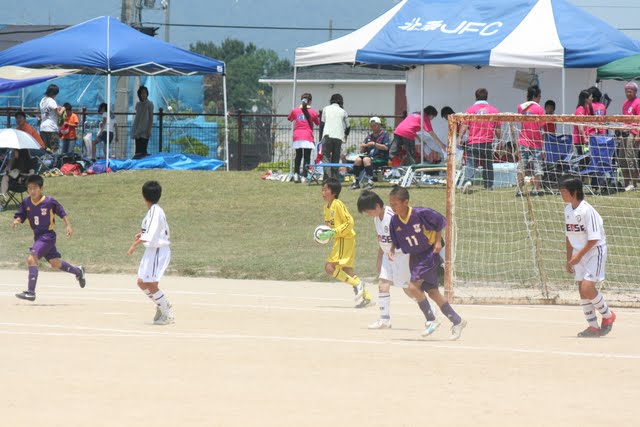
{"x": 505, "y": 235}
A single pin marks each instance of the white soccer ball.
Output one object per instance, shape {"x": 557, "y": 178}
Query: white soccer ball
{"x": 319, "y": 230}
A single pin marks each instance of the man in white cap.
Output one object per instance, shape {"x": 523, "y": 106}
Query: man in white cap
{"x": 374, "y": 152}
{"x": 629, "y": 139}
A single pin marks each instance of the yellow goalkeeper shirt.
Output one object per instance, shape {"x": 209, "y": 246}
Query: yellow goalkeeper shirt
{"x": 338, "y": 218}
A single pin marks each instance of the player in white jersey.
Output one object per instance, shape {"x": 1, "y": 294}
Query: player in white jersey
{"x": 586, "y": 255}
{"x": 155, "y": 237}
{"x": 394, "y": 271}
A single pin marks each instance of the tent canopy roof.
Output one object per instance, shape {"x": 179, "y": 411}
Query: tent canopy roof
{"x": 623, "y": 69}
{"x": 105, "y": 45}
{"x": 502, "y": 33}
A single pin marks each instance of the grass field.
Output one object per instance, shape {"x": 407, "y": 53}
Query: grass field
{"x": 231, "y": 225}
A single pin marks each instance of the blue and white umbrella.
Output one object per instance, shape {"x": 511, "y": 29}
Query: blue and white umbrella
{"x": 499, "y": 33}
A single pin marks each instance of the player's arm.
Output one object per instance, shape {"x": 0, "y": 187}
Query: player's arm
{"x": 463, "y": 129}
{"x": 19, "y": 216}
{"x": 568, "y": 267}
{"x": 67, "y": 223}
{"x": 379, "y": 260}
{"x": 575, "y": 259}
{"x": 343, "y": 222}
{"x": 436, "y": 139}
{"x": 135, "y": 244}
{"x": 437, "y": 245}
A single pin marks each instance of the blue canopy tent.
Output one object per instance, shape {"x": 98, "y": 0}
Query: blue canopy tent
{"x": 12, "y": 77}
{"x": 495, "y": 33}
{"x": 106, "y": 46}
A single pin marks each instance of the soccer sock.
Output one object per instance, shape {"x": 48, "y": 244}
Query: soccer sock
{"x": 384, "y": 301}
{"x": 368, "y": 171}
{"x": 426, "y": 310}
{"x": 161, "y": 301}
{"x": 600, "y": 304}
{"x": 344, "y": 277}
{"x": 147, "y": 292}
{"x": 448, "y": 311}
{"x": 366, "y": 294}
{"x": 33, "y": 279}
{"x": 589, "y": 313}
{"x": 66, "y": 267}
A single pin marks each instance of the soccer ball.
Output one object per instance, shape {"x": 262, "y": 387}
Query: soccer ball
{"x": 319, "y": 230}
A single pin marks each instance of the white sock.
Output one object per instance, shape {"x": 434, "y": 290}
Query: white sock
{"x": 589, "y": 313}
{"x": 600, "y": 305}
{"x": 162, "y": 302}
{"x": 148, "y": 294}
{"x": 384, "y": 301}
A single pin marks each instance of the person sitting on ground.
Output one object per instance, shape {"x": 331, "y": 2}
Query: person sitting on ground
{"x": 374, "y": 151}
{"x": 19, "y": 168}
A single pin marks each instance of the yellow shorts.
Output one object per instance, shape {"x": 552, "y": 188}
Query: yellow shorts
{"x": 343, "y": 252}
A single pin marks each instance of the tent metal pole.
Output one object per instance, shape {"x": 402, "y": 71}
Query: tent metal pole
{"x": 421, "y": 116}
{"x": 293, "y": 105}
{"x": 564, "y": 110}
{"x": 226, "y": 121}
{"x": 108, "y": 94}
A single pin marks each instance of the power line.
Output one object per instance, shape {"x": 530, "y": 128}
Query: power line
{"x": 251, "y": 27}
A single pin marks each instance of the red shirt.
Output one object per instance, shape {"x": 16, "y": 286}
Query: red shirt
{"x": 31, "y": 131}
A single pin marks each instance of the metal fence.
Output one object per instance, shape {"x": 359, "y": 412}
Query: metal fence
{"x": 262, "y": 141}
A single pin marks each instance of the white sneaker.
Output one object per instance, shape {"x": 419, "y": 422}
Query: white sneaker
{"x": 164, "y": 320}
{"x": 629, "y": 187}
{"x": 303, "y": 179}
{"x": 430, "y": 327}
{"x": 466, "y": 188}
{"x": 296, "y": 178}
{"x": 456, "y": 330}
{"x": 381, "y": 324}
{"x": 159, "y": 312}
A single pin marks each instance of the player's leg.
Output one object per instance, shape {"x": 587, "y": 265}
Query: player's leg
{"x": 32, "y": 280}
{"x": 384, "y": 296}
{"x": 53, "y": 257}
{"x": 588, "y": 272}
{"x": 357, "y": 169}
{"x": 360, "y": 290}
{"x": 152, "y": 267}
{"x": 431, "y": 286}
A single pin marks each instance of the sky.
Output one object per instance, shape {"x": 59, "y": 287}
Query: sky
{"x": 281, "y": 13}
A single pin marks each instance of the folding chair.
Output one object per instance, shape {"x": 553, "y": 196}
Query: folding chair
{"x": 601, "y": 168}
{"x": 16, "y": 189}
{"x": 560, "y": 159}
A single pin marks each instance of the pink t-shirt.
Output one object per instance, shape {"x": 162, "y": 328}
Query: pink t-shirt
{"x": 410, "y": 126}
{"x": 631, "y": 108}
{"x": 481, "y": 132}
{"x": 301, "y": 129}
{"x": 599, "y": 110}
{"x": 530, "y": 134}
{"x": 577, "y": 138}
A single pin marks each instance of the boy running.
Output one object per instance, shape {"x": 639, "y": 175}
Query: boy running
{"x": 418, "y": 232}
{"x": 586, "y": 255}
{"x": 154, "y": 235}
{"x": 40, "y": 211}
{"x": 343, "y": 253}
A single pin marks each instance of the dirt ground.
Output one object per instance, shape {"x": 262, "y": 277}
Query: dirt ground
{"x": 260, "y": 353}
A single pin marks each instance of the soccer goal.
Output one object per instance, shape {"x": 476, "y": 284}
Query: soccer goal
{"x": 505, "y": 240}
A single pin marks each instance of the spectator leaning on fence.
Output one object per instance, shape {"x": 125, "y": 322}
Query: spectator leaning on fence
{"x": 142, "y": 123}
{"x": 629, "y": 139}
{"x": 334, "y": 128}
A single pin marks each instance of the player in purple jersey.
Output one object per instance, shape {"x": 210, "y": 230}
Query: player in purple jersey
{"x": 418, "y": 232}
{"x": 40, "y": 211}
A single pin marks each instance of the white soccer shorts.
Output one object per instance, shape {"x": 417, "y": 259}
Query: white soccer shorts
{"x": 591, "y": 266}
{"x": 153, "y": 264}
{"x": 396, "y": 271}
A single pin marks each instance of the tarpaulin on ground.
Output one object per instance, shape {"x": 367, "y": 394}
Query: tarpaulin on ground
{"x": 166, "y": 161}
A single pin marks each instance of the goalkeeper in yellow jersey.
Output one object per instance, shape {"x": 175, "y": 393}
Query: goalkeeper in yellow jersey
{"x": 343, "y": 253}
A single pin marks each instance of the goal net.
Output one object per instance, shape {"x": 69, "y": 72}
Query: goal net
{"x": 506, "y": 239}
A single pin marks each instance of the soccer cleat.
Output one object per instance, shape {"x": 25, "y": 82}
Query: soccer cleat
{"x": 607, "y": 324}
{"x": 164, "y": 320}
{"x": 29, "y": 296}
{"x": 364, "y": 303}
{"x": 466, "y": 188}
{"x": 430, "y": 327}
{"x": 590, "y": 332}
{"x": 381, "y": 324}
{"x": 81, "y": 279}
{"x": 369, "y": 185}
{"x": 355, "y": 185}
{"x": 456, "y": 330}
{"x": 359, "y": 291}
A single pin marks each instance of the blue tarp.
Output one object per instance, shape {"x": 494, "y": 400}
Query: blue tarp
{"x": 108, "y": 46}
{"x": 165, "y": 161}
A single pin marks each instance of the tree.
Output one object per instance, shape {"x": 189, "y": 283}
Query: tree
{"x": 246, "y": 64}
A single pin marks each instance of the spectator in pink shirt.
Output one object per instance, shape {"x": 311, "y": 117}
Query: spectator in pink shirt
{"x": 304, "y": 117}
{"x": 581, "y": 133}
{"x": 406, "y": 132}
{"x": 629, "y": 139}
{"x": 480, "y": 141}
{"x": 530, "y": 141}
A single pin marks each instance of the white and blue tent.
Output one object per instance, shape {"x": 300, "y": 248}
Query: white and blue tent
{"x": 463, "y": 35}
{"x": 106, "y": 46}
